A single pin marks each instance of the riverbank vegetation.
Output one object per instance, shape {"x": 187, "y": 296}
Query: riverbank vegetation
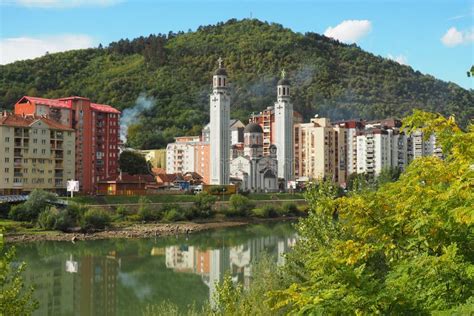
{"x": 42, "y": 213}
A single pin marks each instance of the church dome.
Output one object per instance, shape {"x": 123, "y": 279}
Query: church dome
{"x": 253, "y": 128}
{"x": 283, "y": 82}
{"x": 220, "y": 72}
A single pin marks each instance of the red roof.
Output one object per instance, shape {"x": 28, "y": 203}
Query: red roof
{"x": 128, "y": 178}
{"x": 28, "y": 120}
{"x": 48, "y": 102}
{"x": 61, "y": 103}
{"x": 104, "y": 108}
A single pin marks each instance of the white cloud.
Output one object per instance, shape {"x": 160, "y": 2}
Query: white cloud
{"x": 349, "y": 31}
{"x": 401, "y": 59}
{"x": 19, "y": 48}
{"x": 63, "y": 3}
{"x": 453, "y": 37}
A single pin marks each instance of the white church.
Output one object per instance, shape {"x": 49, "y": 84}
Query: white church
{"x": 255, "y": 172}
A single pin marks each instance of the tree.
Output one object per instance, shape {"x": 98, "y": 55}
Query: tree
{"x": 15, "y": 298}
{"x": 38, "y": 201}
{"x": 405, "y": 248}
{"x": 133, "y": 162}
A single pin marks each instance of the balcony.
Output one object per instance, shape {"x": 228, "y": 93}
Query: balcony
{"x": 17, "y": 153}
{"x": 18, "y": 174}
{"x": 17, "y": 163}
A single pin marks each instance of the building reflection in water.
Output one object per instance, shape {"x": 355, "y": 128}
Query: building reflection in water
{"x": 110, "y": 282}
{"x": 212, "y": 265}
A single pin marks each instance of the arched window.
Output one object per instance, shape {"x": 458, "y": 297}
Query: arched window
{"x": 219, "y": 81}
{"x": 224, "y": 81}
{"x": 279, "y": 91}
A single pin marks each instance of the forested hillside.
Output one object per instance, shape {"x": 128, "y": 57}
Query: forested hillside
{"x": 332, "y": 79}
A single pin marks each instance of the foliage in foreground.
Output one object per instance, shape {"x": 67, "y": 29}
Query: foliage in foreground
{"x": 406, "y": 248}
{"x": 15, "y": 299}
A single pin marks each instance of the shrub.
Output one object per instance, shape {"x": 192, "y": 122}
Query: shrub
{"x": 288, "y": 208}
{"x": 95, "y": 219}
{"x": 146, "y": 212}
{"x": 173, "y": 215}
{"x": 203, "y": 205}
{"x": 239, "y": 205}
{"x": 55, "y": 219}
{"x": 38, "y": 201}
{"x": 47, "y": 219}
{"x": 121, "y": 212}
{"x": 265, "y": 211}
{"x": 21, "y": 213}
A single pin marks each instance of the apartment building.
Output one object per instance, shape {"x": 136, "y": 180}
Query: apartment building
{"x": 96, "y": 129}
{"x": 352, "y": 127}
{"x": 320, "y": 151}
{"x": 36, "y": 153}
{"x": 266, "y": 120}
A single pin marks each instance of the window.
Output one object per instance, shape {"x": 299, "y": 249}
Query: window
{"x": 35, "y": 141}
{"x": 6, "y": 180}
{"x": 43, "y": 131}
{"x": 6, "y": 169}
{"x": 7, "y": 139}
{"x": 35, "y": 151}
{"x": 43, "y": 141}
{"x": 43, "y": 151}
{"x": 7, "y": 159}
{"x": 7, "y": 149}
{"x": 35, "y": 131}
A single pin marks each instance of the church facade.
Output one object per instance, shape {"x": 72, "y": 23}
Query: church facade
{"x": 253, "y": 171}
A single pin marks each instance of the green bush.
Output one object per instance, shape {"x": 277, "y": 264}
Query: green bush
{"x": 38, "y": 201}
{"x": 173, "y": 215}
{"x": 146, "y": 212}
{"x": 203, "y": 205}
{"x": 95, "y": 219}
{"x": 239, "y": 205}
{"x": 47, "y": 219}
{"x": 121, "y": 212}
{"x": 21, "y": 213}
{"x": 288, "y": 208}
{"x": 265, "y": 211}
{"x": 54, "y": 219}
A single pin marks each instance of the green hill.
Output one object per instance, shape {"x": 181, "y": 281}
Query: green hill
{"x": 332, "y": 79}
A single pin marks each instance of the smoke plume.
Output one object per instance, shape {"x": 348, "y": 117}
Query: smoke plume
{"x": 131, "y": 115}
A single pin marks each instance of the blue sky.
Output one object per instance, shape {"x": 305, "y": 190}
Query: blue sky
{"x": 435, "y": 37}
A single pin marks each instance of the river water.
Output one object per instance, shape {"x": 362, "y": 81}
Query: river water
{"x": 123, "y": 276}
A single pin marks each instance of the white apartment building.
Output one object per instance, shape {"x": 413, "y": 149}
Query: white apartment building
{"x": 180, "y": 155}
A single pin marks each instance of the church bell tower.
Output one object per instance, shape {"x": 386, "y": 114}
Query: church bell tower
{"x": 284, "y": 130}
{"x": 219, "y": 127}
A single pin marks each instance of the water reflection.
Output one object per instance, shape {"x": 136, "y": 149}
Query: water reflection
{"x": 120, "y": 277}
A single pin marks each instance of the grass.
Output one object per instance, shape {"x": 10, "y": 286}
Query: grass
{"x": 12, "y": 227}
{"x": 175, "y": 198}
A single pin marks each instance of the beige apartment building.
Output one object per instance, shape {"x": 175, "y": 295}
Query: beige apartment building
{"x": 320, "y": 151}
{"x": 157, "y": 157}
{"x": 35, "y": 153}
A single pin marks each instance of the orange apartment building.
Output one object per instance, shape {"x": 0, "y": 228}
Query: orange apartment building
{"x": 266, "y": 119}
{"x": 97, "y": 134}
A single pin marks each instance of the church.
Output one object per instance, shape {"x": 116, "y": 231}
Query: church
{"x": 255, "y": 172}
{"x": 252, "y": 170}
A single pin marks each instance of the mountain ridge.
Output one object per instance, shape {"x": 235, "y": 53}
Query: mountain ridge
{"x": 175, "y": 70}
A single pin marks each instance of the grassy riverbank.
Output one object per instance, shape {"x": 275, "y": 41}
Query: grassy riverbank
{"x": 38, "y": 219}
{"x": 177, "y": 198}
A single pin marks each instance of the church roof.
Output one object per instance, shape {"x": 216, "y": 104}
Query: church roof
{"x": 253, "y": 128}
{"x": 284, "y": 82}
{"x": 220, "y": 72}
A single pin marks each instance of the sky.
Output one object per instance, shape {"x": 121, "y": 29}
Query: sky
{"x": 435, "y": 37}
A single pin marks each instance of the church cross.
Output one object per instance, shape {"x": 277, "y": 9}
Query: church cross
{"x": 220, "y": 61}
{"x": 283, "y": 73}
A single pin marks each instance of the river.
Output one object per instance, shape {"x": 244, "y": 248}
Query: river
{"x": 123, "y": 276}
